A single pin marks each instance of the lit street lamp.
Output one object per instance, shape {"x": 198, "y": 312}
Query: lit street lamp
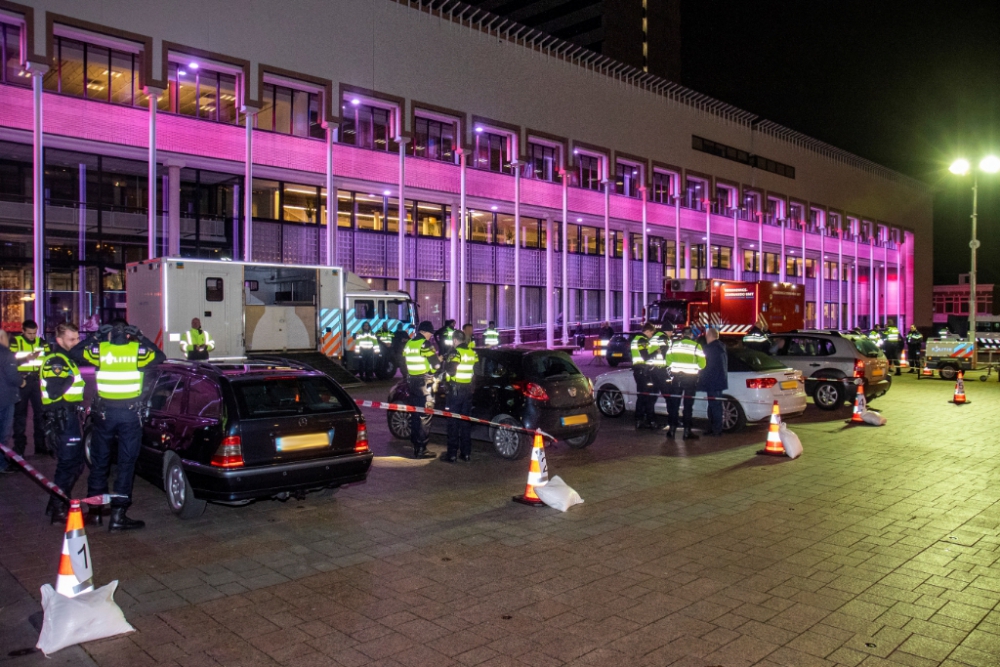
{"x": 961, "y": 167}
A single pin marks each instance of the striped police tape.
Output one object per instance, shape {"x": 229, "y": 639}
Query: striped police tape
{"x": 101, "y": 499}
{"x": 400, "y": 407}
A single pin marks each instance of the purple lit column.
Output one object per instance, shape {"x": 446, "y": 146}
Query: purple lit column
{"x": 565, "y": 256}
{"x": 645, "y": 250}
{"x": 760, "y": 247}
{"x": 463, "y": 227}
{"x": 708, "y": 239}
{"x": 38, "y": 195}
{"x": 453, "y": 279}
{"x": 782, "y": 265}
{"x": 821, "y": 278}
{"x": 401, "y": 239}
{"x": 872, "y": 283}
{"x": 885, "y": 280}
{"x": 856, "y": 273}
{"x": 331, "y": 200}
{"x": 677, "y": 239}
{"x": 550, "y": 284}
{"x": 608, "y": 301}
{"x": 840, "y": 273}
{"x": 250, "y": 113}
{"x": 154, "y": 96}
{"x": 737, "y": 261}
{"x": 517, "y": 251}
{"x": 899, "y": 280}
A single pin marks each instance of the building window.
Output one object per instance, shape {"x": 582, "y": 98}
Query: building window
{"x": 490, "y": 152}
{"x": 830, "y": 270}
{"x": 531, "y": 233}
{"x": 628, "y": 177}
{"x": 722, "y": 257}
{"x": 591, "y": 241}
{"x": 588, "y": 171}
{"x": 433, "y": 139}
{"x": 793, "y": 267}
{"x": 10, "y": 56}
{"x": 432, "y": 220}
{"x": 543, "y": 162}
{"x": 94, "y": 72}
{"x": 290, "y": 111}
{"x": 743, "y": 157}
{"x": 480, "y": 227}
{"x": 810, "y": 268}
{"x": 771, "y": 263}
{"x": 198, "y": 91}
{"x": 367, "y": 126}
{"x": 663, "y": 187}
{"x": 725, "y": 199}
{"x": 694, "y": 192}
{"x": 750, "y": 258}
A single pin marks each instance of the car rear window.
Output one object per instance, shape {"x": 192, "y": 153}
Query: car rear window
{"x": 865, "y": 347}
{"x": 542, "y": 365}
{"x": 283, "y": 396}
{"x": 742, "y": 360}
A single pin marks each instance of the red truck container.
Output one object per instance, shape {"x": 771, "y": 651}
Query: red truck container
{"x": 731, "y": 306}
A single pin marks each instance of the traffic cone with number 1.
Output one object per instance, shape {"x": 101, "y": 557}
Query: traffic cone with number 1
{"x": 76, "y": 571}
{"x": 860, "y": 403}
{"x": 773, "y": 446}
{"x": 959, "y": 398}
{"x": 538, "y": 475}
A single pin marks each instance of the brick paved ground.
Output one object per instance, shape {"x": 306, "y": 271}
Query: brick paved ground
{"x": 878, "y": 547}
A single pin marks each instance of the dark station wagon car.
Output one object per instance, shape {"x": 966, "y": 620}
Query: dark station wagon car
{"x": 235, "y": 432}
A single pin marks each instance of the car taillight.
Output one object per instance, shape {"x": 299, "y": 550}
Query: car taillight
{"x": 761, "y": 383}
{"x": 531, "y": 390}
{"x": 230, "y": 453}
{"x": 361, "y": 444}
{"x": 859, "y": 368}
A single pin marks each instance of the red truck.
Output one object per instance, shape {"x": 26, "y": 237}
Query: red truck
{"x": 732, "y": 306}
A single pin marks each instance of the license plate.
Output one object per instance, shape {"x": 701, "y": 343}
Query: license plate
{"x": 616, "y": 354}
{"x": 790, "y": 384}
{"x": 574, "y": 420}
{"x": 297, "y": 443}
{"x": 877, "y": 372}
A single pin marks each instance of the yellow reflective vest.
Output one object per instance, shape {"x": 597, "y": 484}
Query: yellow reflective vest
{"x": 118, "y": 374}
{"x": 58, "y": 365}
{"x": 195, "y": 337}
{"x": 23, "y": 348}
{"x": 417, "y": 354}
{"x": 686, "y": 357}
{"x": 467, "y": 359}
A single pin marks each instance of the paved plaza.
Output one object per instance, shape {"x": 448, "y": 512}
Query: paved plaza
{"x": 878, "y": 547}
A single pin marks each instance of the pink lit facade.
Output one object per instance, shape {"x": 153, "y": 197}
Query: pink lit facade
{"x": 554, "y": 224}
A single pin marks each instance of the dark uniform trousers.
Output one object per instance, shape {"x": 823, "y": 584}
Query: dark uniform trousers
{"x": 645, "y": 401}
{"x": 459, "y": 431}
{"x": 420, "y": 397}
{"x": 913, "y": 355}
{"x": 31, "y": 396}
{"x": 62, "y": 424}
{"x": 368, "y": 364}
{"x": 686, "y": 385}
{"x": 121, "y": 421}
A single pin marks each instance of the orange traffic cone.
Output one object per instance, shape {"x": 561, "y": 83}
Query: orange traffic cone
{"x": 860, "y": 403}
{"x": 773, "y": 446}
{"x": 927, "y": 371}
{"x": 76, "y": 571}
{"x": 538, "y": 475}
{"x": 903, "y": 361}
{"x": 959, "y": 398}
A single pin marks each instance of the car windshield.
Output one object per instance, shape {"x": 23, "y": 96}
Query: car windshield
{"x": 544, "y": 365}
{"x": 278, "y": 396}
{"x": 743, "y": 360}
{"x": 673, "y": 311}
{"x": 865, "y": 346}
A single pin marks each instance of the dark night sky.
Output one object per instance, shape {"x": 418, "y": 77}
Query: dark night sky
{"x": 907, "y": 84}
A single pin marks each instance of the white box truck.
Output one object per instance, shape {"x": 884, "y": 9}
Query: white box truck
{"x": 256, "y": 308}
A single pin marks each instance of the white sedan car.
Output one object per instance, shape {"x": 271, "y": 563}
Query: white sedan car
{"x": 756, "y": 381}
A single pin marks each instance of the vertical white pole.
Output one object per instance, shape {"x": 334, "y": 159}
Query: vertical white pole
{"x": 760, "y": 248}
{"x": 856, "y": 276}
{"x": 453, "y": 307}
{"x": 38, "y": 200}
{"x": 331, "y": 201}
{"x": 820, "y": 274}
{"x": 840, "y": 275}
{"x": 645, "y": 251}
{"x": 550, "y": 283}
{"x": 517, "y": 251}
{"x": 899, "y": 282}
{"x": 708, "y": 240}
{"x": 151, "y": 176}
{"x": 565, "y": 257}
{"x": 401, "y": 238}
{"x": 737, "y": 259}
{"x": 784, "y": 260}
{"x": 677, "y": 239}
{"x": 248, "y": 188}
{"x": 81, "y": 248}
{"x": 885, "y": 280}
{"x": 872, "y": 282}
{"x": 608, "y": 303}
{"x": 463, "y": 300}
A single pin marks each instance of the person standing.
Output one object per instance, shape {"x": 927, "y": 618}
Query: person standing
{"x": 714, "y": 378}
{"x": 468, "y": 333}
{"x": 28, "y": 349}
{"x": 460, "y": 369}
{"x": 119, "y": 352}
{"x": 645, "y": 399}
{"x": 421, "y": 362}
{"x": 491, "y": 337}
{"x": 10, "y": 394}
{"x": 659, "y": 374}
{"x": 685, "y": 360}
{"x": 366, "y": 344}
{"x": 914, "y": 340}
{"x": 197, "y": 342}
{"x": 444, "y": 336}
{"x": 62, "y": 398}
{"x": 400, "y": 338}
{"x": 892, "y": 346}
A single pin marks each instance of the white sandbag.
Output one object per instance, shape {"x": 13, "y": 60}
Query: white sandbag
{"x": 556, "y": 493}
{"x": 790, "y": 441}
{"x": 84, "y": 618}
{"x": 873, "y": 418}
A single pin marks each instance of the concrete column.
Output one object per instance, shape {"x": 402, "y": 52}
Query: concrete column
{"x": 153, "y": 95}
{"x": 645, "y": 251}
{"x": 760, "y": 249}
{"x": 331, "y": 200}
{"x": 872, "y": 283}
{"x": 677, "y": 239}
{"x": 565, "y": 256}
{"x": 820, "y": 300}
{"x": 401, "y": 237}
{"x": 626, "y": 281}
{"x": 251, "y": 113}
{"x": 38, "y": 196}
{"x": 550, "y": 283}
{"x": 687, "y": 261}
{"x": 173, "y": 231}
{"x": 81, "y": 247}
{"x": 840, "y": 276}
{"x": 608, "y": 301}
{"x": 802, "y": 231}
{"x": 708, "y": 240}
{"x": 856, "y": 276}
{"x": 885, "y": 282}
{"x": 463, "y": 300}
{"x": 899, "y": 284}
{"x": 783, "y": 264}
{"x": 517, "y": 251}
{"x": 453, "y": 308}
{"x": 737, "y": 258}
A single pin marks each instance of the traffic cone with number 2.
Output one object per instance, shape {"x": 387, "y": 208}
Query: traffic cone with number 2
{"x": 76, "y": 571}
{"x": 538, "y": 475}
{"x": 860, "y": 403}
{"x": 773, "y": 446}
{"x": 959, "y": 398}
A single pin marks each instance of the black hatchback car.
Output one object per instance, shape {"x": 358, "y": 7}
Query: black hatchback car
{"x": 523, "y": 387}
{"x": 236, "y": 432}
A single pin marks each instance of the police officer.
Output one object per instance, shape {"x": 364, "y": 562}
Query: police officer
{"x": 875, "y": 336}
{"x": 914, "y": 339}
{"x": 399, "y": 340}
{"x": 421, "y": 362}
{"x": 29, "y": 350}
{"x": 384, "y": 336}
{"x": 491, "y": 337}
{"x": 659, "y": 346}
{"x": 892, "y": 344}
{"x": 62, "y": 400}
{"x": 645, "y": 390}
{"x": 197, "y": 342}
{"x": 685, "y": 359}
{"x": 469, "y": 335}
{"x": 756, "y": 339}
{"x": 366, "y": 345}
{"x": 459, "y": 369}
{"x": 444, "y": 336}
{"x": 119, "y": 352}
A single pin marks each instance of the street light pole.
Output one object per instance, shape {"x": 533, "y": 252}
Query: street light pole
{"x": 973, "y": 245}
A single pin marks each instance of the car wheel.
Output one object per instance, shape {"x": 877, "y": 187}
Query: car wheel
{"x": 948, "y": 372}
{"x": 509, "y": 444}
{"x": 610, "y": 401}
{"x": 399, "y": 423}
{"x": 180, "y": 495}
{"x": 582, "y": 441}
{"x": 828, "y": 395}
{"x": 613, "y": 361}
{"x": 733, "y": 418}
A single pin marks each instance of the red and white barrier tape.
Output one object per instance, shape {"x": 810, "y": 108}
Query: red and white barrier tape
{"x": 400, "y": 407}
{"x": 102, "y": 499}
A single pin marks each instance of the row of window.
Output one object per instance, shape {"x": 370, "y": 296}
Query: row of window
{"x": 741, "y": 156}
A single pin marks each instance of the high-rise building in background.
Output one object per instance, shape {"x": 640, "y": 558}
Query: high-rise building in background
{"x": 643, "y": 33}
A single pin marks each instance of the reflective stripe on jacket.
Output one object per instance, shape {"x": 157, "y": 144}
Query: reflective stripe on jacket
{"x": 195, "y": 337}
{"x": 365, "y": 341}
{"x": 58, "y": 365}
{"x": 467, "y": 359}
{"x": 118, "y": 376}
{"x": 22, "y": 349}
{"x": 659, "y": 345}
{"x": 639, "y": 345}
{"x": 491, "y": 338}
{"x": 415, "y": 354}
{"x": 686, "y": 357}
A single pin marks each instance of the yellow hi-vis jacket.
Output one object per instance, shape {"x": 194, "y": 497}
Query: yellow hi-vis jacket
{"x": 22, "y": 349}
{"x": 58, "y": 365}
{"x": 195, "y": 337}
{"x": 118, "y": 375}
{"x": 686, "y": 357}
